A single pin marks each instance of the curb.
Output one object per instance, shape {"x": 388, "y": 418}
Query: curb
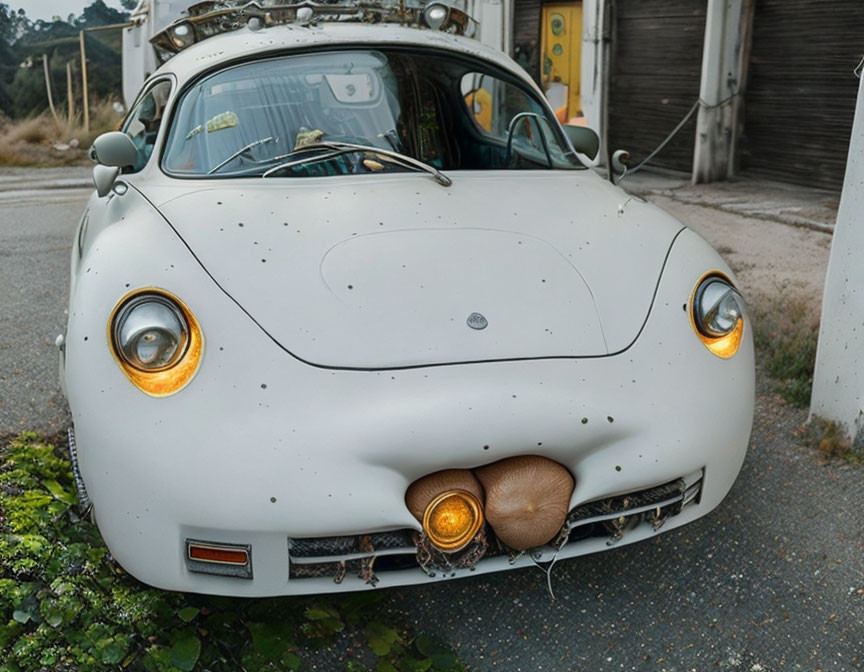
{"x": 736, "y": 208}
{"x": 28, "y": 185}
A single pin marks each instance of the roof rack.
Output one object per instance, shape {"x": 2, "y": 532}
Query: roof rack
{"x": 213, "y": 17}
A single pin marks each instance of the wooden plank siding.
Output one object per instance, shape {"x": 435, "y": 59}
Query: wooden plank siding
{"x": 656, "y": 68}
{"x": 526, "y": 35}
{"x": 800, "y": 97}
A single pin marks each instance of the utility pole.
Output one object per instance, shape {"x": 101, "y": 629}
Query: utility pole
{"x": 838, "y": 382}
{"x": 84, "y": 98}
{"x": 47, "y": 71}
{"x": 70, "y": 97}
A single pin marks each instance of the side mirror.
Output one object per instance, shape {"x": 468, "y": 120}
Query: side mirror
{"x": 114, "y": 149}
{"x": 619, "y": 163}
{"x": 104, "y": 178}
{"x": 584, "y": 140}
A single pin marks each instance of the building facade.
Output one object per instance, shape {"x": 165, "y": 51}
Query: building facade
{"x": 776, "y": 80}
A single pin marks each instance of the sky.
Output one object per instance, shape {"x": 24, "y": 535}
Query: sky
{"x": 45, "y": 9}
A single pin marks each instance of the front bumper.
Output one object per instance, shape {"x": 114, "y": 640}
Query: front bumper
{"x": 399, "y": 557}
{"x": 261, "y": 449}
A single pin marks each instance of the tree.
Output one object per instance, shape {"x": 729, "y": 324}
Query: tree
{"x": 10, "y": 27}
{"x": 129, "y": 4}
{"x": 22, "y": 88}
{"x": 100, "y": 14}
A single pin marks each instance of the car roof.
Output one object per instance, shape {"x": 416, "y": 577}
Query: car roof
{"x": 243, "y": 43}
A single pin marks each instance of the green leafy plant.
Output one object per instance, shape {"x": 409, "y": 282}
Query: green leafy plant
{"x": 786, "y": 338}
{"x": 66, "y": 605}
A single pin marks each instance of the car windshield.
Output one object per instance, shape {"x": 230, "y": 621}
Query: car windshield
{"x": 265, "y": 117}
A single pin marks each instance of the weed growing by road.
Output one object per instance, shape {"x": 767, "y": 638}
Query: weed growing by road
{"x": 66, "y": 605}
{"x": 786, "y": 336}
{"x": 831, "y": 439}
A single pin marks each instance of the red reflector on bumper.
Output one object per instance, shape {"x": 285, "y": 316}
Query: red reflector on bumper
{"x": 219, "y": 554}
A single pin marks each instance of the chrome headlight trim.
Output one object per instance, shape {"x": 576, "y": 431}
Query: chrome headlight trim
{"x": 717, "y": 307}
{"x": 716, "y": 311}
{"x": 150, "y": 321}
{"x": 169, "y": 374}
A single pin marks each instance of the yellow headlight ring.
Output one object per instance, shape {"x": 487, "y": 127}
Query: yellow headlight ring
{"x": 722, "y": 346}
{"x": 168, "y": 381}
{"x": 467, "y": 506}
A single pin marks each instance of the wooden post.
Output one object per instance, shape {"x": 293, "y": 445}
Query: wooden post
{"x": 724, "y": 48}
{"x": 48, "y": 87}
{"x": 70, "y": 97}
{"x": 84, "y": 97}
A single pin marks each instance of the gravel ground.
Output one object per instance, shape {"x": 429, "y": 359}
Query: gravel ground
{"x": 766, "y": 270}
{"x": 771, "y": 580}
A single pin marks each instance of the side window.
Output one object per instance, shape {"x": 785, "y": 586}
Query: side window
{"x": 507, "y": 115}
{"x": 144, "y": 121}
{"x": 493, "y": 103}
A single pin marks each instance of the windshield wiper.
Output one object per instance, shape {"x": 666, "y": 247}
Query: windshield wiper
{"x": 340, "y": 148}
{"x": 240, "y": 152}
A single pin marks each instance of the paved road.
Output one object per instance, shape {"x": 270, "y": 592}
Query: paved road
{"x": 772, "y": 580}
{"x": 36, "y": 231}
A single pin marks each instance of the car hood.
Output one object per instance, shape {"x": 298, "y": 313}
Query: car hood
{"x": 378, "y": 272}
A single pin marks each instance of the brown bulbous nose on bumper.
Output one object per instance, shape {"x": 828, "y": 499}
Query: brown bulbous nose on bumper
{"x": 525, "y": 500}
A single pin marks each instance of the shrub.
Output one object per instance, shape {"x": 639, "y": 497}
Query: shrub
{"x": 66, "y": 605}
{"x": 35, "y": 130}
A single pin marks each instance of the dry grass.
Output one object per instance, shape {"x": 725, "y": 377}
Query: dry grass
{"x": 786, "y": 334}
{"x": 11, "y": 157}
{"x": 831, "y": 439}
{"x": 32, "y": 141}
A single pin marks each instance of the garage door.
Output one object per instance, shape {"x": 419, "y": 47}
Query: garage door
{"x": 655, "y": 73}
{"x": 801, "y": 91}
{"x": 526, "y": 35}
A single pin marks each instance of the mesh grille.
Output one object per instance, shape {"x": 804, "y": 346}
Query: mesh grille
{"x": 632, "y": 500}
{"x": 327, "y": 546}
{"x": 620, "y": 513}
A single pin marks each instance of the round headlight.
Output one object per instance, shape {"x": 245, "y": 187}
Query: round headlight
{"x": 151, "y": 333}
{"x": 452, "y": 520}
{"x": 717, "y": 308}
{"x": 156, "y": 341}
{"x": 717, "y": 313}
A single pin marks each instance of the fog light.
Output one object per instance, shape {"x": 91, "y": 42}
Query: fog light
{"x": 452, "y": 519}
{"x": 183, "y": 35}
{"x": 435, "y": 16}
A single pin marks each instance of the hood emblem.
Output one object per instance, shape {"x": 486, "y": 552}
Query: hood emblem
{"x": 477, "y": 321}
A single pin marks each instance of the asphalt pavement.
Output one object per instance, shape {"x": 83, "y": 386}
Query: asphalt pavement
{"x": 771, "y": 580}
{"x": 38, "y": 215}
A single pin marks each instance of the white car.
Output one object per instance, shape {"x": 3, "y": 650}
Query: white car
{"x": 349, "y": 309}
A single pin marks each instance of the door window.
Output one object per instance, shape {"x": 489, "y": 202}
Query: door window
{"x": 507, "y": 114}
{"x": 143, "y": 122}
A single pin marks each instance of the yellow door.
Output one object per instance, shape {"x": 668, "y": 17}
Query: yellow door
{"x": 561, "y": 45}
